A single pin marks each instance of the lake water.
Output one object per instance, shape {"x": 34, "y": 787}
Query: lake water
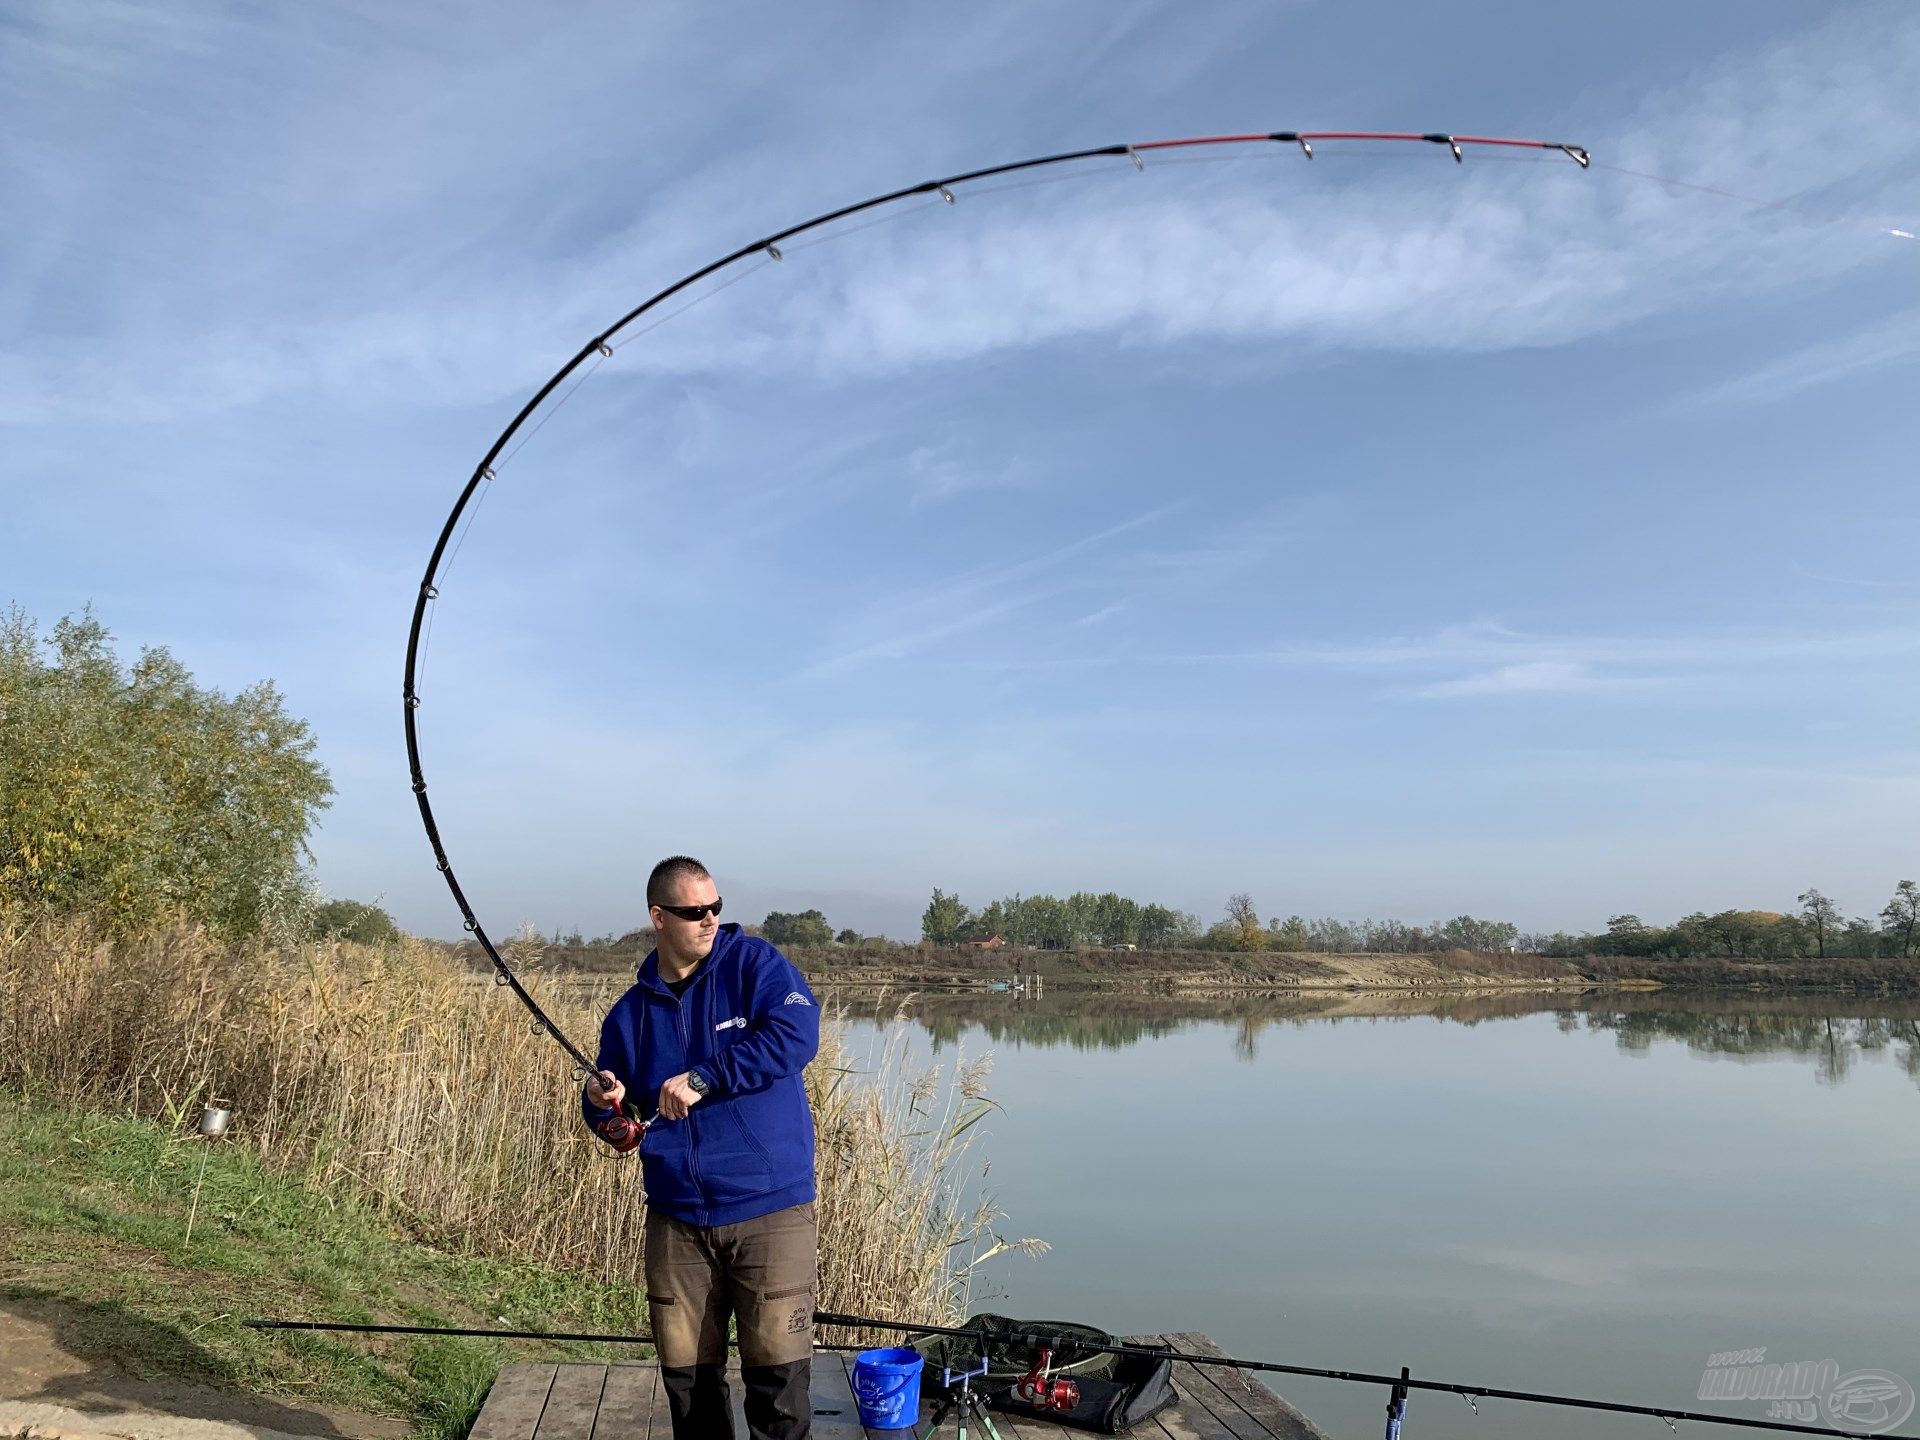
{"x": 1588, "y": 1195}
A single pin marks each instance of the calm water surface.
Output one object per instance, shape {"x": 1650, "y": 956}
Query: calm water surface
{"x": 1586, "y": 1195}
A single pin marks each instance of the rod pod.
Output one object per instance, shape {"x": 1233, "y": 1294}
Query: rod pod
{"x": 1397, "y": 1405}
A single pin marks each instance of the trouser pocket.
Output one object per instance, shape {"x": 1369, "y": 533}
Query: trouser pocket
{"x": 773, "y": 1284}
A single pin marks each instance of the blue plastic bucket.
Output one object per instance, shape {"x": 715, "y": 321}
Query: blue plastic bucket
{"x": 886, "y": 1387}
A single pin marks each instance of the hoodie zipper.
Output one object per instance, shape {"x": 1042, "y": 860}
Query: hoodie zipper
{"x": 693, "y": 1142}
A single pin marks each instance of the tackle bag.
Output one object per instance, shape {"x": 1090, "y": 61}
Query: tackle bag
{"x": 1116, "y": 1391}
{"x": 1136, "y": 1387}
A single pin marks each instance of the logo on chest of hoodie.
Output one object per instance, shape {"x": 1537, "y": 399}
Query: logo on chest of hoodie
{"x": 738, "y": 1022}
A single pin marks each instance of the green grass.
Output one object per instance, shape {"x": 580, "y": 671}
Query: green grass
{"x": 93, "y": 1215}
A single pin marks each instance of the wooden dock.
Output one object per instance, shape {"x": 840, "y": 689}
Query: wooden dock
{"x": 625, "y": 1401}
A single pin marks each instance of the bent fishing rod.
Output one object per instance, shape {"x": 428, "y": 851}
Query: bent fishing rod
{"x": 1398, "y": 1385}
{"x": 601, "y": 347}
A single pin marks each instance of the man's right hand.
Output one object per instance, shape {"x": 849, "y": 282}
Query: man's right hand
{"x": 606, "y": 1091}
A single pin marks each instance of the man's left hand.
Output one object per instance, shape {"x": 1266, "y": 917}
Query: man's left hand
{"x": 677, "y": 1097}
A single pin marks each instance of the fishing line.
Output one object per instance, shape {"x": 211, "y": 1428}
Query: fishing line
{"x": 1790, "y": 205}
{"x": 701, "y": 300}
{"x": 538, "y": 409}
{"x": 911, "y": 213}
{"x": 553, "y": 410}
{"x": 426, "y": 644}
{"x": 453, "y": 531}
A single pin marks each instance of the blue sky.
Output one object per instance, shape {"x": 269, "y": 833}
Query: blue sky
{"x": 1374, "y": 535}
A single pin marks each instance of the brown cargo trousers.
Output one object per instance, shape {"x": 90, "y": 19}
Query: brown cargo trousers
{"x": 760, "y": 1273}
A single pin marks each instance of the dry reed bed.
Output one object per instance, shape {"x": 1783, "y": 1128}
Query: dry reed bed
{"x": 389, "y": 1073}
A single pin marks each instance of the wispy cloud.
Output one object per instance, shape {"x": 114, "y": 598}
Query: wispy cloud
{"x": 942, "y": 473}
{"x": 1491, "y": 257}
{"x": 1489, "y": 643}
{"x": 1322, "y": 254}
{"x": 1884, "y": 346}
{"x": 1531, "y": 677}
{"x": 910, "y": 622}
{"x": 1488, "y": 660}
{"x": 901, "y": 643}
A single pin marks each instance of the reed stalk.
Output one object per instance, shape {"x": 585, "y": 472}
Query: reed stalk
{"x": 392, "y": 1074}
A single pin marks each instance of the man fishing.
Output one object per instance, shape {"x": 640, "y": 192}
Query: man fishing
{"x": 713, "y": 1036}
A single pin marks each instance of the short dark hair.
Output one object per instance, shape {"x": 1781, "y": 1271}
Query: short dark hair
{"x": 669, "y": 873}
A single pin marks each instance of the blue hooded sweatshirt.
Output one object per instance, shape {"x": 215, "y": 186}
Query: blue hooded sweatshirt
{"x": 746, "y": 1024}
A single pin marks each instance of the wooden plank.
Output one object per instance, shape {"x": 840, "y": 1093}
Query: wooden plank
{"x": 835, "y": 1415}
{"x": 628, "y": 1401}
{"x": 512, "y": 1410}
{"x": 626, "y": 1404}
{"x": 737, "y": 1398}
{"x": 1169, "y": 1424}
{"x": 572, "y": 1403}
{"x": 1243, "y": 1390}
{"x": 659, "y": 1418}
{"x": 1188, "y": 1418}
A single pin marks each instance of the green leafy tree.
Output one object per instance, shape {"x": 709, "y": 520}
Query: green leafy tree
{"x": 364, "y": 924}
{"x": 809, "y": 927}
{"x": 1695, "y": 934}
{"x": 134, "y": 794}
{"x": 847, "y": 937}
{"x": 1165, "y": 929}
{"x": 944, "y": 921}
{"x": 1048, "y": 922}
{"x": 1902, "y": 914}
{"x": 1731, "y": 931}
{"x": 1116, "y": 920}
{"x": 1860, "y": 940}
{"x": 1628, "y": 935}
{"x": 1292, "y": 933}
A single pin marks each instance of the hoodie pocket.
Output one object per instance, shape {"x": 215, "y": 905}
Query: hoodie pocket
{"x": 665, "y": 1163}
{"x": 733, "y": 1167}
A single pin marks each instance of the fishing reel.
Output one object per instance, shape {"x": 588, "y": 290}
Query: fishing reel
{"x": 622, "y": 1132}
{"x": 624, "y": 1129}
{"x": 1040, "y": 1388}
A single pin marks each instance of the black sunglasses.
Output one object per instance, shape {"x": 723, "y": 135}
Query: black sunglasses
{"x": 694, "y": 912}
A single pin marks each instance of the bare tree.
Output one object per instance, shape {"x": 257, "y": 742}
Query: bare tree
{"x": 1821, "y": 913}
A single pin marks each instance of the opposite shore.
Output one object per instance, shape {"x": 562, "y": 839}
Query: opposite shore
{"x": 928, "y": 968}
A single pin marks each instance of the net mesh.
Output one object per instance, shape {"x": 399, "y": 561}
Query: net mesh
{"x": 1010, "y": 1355}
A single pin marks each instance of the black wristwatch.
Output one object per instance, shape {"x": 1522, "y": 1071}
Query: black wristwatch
{"x": 697, "y": 1082}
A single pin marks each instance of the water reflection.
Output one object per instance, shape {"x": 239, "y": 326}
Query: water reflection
{"x": 1832, "y": 1032}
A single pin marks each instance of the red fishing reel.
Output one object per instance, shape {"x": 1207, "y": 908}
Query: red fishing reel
{"x": 623, "y": 1132}
{"x": 1042, "y": 1390}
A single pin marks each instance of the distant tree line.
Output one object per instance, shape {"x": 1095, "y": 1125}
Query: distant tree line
{"x": 1106, "y": 921}
{"x": 1112, "y": 921}
{"x": 807, "y": 929}
{"x": 1816, "y": 927}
